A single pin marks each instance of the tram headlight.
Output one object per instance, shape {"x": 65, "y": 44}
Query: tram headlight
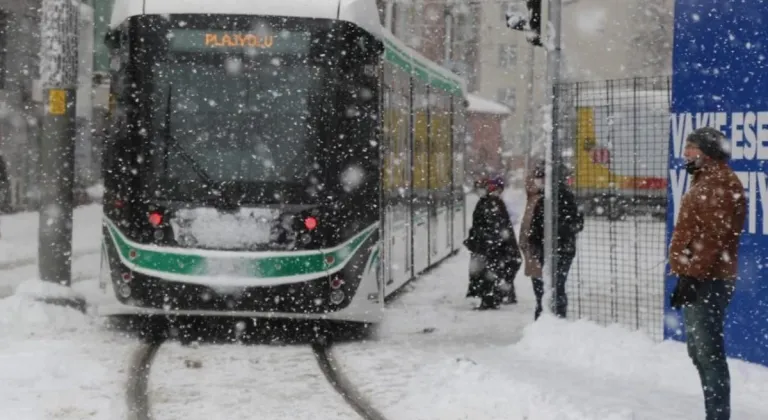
{"x": 125, "y": 291}
{"x": 337, "y": 296}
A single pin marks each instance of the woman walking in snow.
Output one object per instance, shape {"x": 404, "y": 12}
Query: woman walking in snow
{"x": 493, "y": 245}
{"x": 534, "y": 192}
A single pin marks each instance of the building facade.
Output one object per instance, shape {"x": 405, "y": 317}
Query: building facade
{"x": 505, "y": 73}
{"x": 446, "y": 31}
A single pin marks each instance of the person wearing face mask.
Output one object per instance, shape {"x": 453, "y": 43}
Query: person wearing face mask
{"x": 493, "y": 245}
{"x": 703, "y": 254}
{"x": 570, "y": 221}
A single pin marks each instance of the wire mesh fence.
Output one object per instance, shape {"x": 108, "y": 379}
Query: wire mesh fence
{"x": 615, "y": 134}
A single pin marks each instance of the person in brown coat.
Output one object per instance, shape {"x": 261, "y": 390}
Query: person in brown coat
{"x": 534, "y": 191}
{"x": 704, "y": 254}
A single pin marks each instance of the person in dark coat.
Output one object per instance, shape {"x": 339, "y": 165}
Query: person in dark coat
{"x": 570, "y": 221}
{"x": 493, "y": 244}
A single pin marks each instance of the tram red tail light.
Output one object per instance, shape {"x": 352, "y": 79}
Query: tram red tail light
{"x": 310, "y": 223}
{"x": 336, "y": 282}
{"x": 155, "y": 218}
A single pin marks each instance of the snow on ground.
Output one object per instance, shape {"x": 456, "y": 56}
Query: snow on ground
{"x": 500, "y": 365}
{"x": 56, "y": 364}
{"x": 18, "y": 234}
{"x": 432, "y": 358}
{"x": 18, "y": 247}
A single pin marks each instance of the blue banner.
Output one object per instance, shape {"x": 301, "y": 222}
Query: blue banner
{"x": 720, "y": 79}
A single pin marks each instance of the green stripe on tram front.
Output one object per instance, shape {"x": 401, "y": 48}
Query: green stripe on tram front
{"x": 198, "y": 264}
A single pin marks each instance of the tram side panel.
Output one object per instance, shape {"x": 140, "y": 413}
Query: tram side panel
{"x": 397, "y": 177}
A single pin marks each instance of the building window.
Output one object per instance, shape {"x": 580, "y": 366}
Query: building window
{"x": 507, "y": 56}
{"x": 508, "y": 97}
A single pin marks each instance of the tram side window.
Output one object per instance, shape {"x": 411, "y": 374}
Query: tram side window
{"x": 420, "y": 138}
{"x": 389, "y": 134}
{"x": 395, "y": 128}
{"x": 405, "y": 155}
{"x": 440, "y": 137}
{"x": 459, "y": 133}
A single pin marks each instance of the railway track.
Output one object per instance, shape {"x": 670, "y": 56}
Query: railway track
{"x": 137, "y": 392}
{"x": 138, "y": 400}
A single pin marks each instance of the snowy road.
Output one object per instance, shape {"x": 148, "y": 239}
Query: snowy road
{"x": 432, "y": 358}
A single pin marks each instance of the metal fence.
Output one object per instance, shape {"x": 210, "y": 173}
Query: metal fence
{"x": 615, "y": 136}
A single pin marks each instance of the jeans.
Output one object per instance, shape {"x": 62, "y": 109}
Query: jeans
{"x": 561, "y": 276}
{"x": 704, "y": 323}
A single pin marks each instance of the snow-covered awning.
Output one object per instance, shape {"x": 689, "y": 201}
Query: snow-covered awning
{"x": 481, "y": 105}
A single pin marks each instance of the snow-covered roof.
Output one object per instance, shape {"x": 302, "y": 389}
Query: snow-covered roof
{"x": 363, "y": 13}
{"x": 481, "y": 105}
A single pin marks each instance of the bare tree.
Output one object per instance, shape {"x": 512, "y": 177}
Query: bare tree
{"x": 653, "y": 38}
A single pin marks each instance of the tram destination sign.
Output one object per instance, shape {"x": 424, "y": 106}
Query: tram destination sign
{"x": 199, "y": 40}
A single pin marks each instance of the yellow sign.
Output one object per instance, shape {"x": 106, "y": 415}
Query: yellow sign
{"x": 238, "y": 40}
{"x": 57, "y": 102}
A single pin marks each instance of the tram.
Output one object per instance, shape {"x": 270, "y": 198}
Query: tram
{"x": 288, "y": 159}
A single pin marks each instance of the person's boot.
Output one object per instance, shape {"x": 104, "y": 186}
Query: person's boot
{"x": 489, "y": 302}
{"x": 510, "y": 297}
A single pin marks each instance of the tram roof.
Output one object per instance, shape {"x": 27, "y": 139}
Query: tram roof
{"x": 362, "y": 13}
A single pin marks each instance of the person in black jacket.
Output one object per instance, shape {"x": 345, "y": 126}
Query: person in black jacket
{"x": 570, "y": 221}
{"x": 493, "y": 244}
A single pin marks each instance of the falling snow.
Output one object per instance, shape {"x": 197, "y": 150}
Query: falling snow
{"x": 241, "y": 157}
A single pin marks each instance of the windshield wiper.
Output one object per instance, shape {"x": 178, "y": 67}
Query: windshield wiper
{"x": 220, "y": 200}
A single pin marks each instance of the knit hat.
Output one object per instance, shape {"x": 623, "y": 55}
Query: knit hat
{"x": 711, "y": 142}
{"x": 495, "y": 183}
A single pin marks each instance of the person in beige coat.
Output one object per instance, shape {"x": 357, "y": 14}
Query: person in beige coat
{"x": 534, "y": 191}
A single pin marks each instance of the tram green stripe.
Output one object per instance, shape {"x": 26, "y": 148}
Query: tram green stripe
{"x": 153, "y": 258}
{"x": 412, "y": 65}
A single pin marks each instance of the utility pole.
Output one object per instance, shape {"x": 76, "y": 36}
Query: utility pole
{"x": 58, "y": 73}
{"x": 529, "y": 117}
{"x": 552, "y": 154}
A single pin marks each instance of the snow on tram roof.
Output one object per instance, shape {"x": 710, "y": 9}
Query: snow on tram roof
{"x": 420, "y": 62}
{"x": 362, "y": 13}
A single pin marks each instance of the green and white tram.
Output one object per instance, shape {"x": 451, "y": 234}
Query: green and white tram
{"x": 280, "y": 158}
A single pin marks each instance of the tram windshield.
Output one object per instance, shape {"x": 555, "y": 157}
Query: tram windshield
{"x": 240, "y": 107}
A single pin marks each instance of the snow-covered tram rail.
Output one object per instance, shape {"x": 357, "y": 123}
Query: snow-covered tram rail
{"x": 283, "y": 159}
